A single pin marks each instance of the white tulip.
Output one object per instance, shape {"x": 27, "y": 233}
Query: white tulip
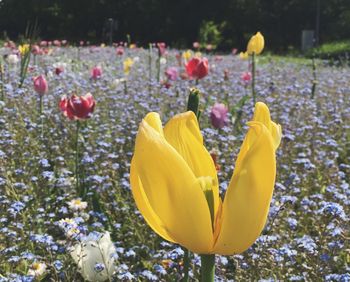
{"x": 95, "y": 257}
{"x": 12, "y": 59}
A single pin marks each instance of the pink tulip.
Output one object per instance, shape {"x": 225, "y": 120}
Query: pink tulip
{"x": 218, "y": 115}
{"x": 36, "y": 50}
{"x": 171, "y": 73}
{"x": 120, "y": 51}
{"x": 40, "y": 85}
{"x": 246, "y": 77}
{"x": 96, "y": 72}
{"x": 161, "y": 48}
{"x": 196, "y": 45}
{"x": 57, "y": 43}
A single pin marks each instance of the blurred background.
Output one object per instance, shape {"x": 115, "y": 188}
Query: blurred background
{"x": 288, "y": 25}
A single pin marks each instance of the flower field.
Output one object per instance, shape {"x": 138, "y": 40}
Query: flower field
{"x": 65, "y": 185}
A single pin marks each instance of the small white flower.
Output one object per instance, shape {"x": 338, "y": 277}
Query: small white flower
{"x": 49, "y": 74}
{"x": 136, "y": 59}
{"x": 117, "y": 83}
{"x": 162, "y": 61}
{"x": 77, "y": 204}
{"x": 95, "y": 257}
{"x": 37, "y": 269}
{"x": 12, "y": 59}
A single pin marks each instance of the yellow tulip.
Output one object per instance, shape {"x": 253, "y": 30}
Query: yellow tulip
{"x": 256, "y": 44}
{"x": 243, "y": 55}
{"x": 175, "y": 185}
{"x": 127, "y": 65}
{"x": 23, "y": 49}
{"x": 187, "y": 55}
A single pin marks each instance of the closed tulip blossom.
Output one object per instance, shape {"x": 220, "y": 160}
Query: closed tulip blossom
{"x": 197, "y": 68}
{"x": 120, "y": 51}
{"x": 40, "y": 85}
{"x": 172, "y": 73}
{"x": 95, "y": 257}
{"x": 246, "y": 77}
{"x": 161, "y": 48}
{"x": 96, "y": 72}
{"x": 77, "y": 108}
{"x": 178, "y": 194}
{"x": 256, "y": 44}
{"x": 218, "y": 115}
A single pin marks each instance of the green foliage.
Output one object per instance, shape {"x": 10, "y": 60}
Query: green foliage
{"x": 332, "y": 49}
{"x": 210, "y": 33}
{"x": 178, "y": 21}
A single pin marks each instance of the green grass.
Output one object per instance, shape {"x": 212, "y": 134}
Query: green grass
{"x": 332, "y": 50}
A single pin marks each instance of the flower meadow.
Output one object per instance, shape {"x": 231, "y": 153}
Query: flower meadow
{"x": 67, "y": 138}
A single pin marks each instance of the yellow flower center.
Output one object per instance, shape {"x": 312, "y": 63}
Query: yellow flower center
{"x": 77, "y": 202}
{"x": 36, "y": 266}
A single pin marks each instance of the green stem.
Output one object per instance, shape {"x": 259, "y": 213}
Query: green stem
{"x": 77, "y": 186}
{"x": 207, "y": 268}
{"x": 253, "y": 78}
{"x": 40, "y": 115}
{"x": 2, "y": 82}
{"x": 314, "y": 81}
{"x": 150, "y": 62}
{"x": 158, "y": 68}
{"x": 125, "y": 87}
{"x": 186, "y": 264}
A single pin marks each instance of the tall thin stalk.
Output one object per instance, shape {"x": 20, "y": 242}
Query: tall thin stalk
{"x": 253, "y": 79}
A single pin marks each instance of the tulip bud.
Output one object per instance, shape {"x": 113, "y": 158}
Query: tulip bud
{"x": 256, "y": 44}
{"x": 161, "y": 48}
{"x": 246, "y": 77}
{"x": 36, "y": 50}
{"x": 96, "y": 73}
{"x": 120, "y": 51}
{"x": 193, "y": 102}
{"x": 40, "y": 85}
{"x": 218, "y": 115}
{"x": 196, "y": 45}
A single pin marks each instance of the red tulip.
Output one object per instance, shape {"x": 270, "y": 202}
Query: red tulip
{"x": 59, "y": 70}
{"x": 40, "y": 85}
{"x": 96, "y": 72}
{"x": 76, "y": 107}
{"x": 197, "y": 68}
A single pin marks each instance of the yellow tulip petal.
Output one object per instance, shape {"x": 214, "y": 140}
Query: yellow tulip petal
{"x": 166, "y": 187}
{"x": 183, "y": 133}
{"x": 262, "y": 114}
{"x": 256, "y": 44}
{"x": 248, "y": 196}
{"x": 144, "y": 207}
